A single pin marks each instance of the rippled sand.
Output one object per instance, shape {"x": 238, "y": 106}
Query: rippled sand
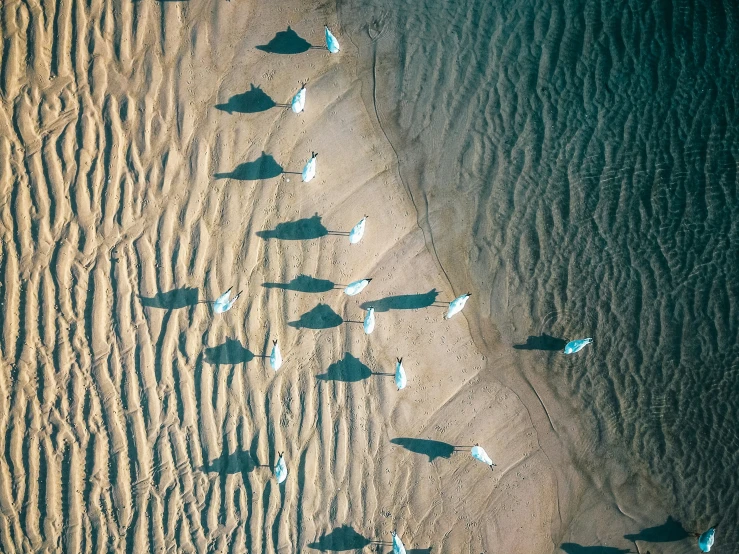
{"x": 147, "y": 163}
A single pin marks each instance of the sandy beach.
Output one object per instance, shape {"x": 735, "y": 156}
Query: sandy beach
{"x": 142, "y": 176}
{"x": 149, "y": 161}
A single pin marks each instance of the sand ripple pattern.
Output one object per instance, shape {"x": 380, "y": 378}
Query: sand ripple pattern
{"x": 118, "y": 433}
{"x": 589, "y": 151}
{"x": 131, "y": 419}
{"x": 101, "y": 442}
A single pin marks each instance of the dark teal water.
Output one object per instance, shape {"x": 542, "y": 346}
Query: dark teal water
{"x": 584, "y": 154}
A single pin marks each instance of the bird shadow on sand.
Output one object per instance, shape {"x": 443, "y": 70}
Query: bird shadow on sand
{"x": 243, "y": 462}
{"x": 229, "y": 353}
{"x": 349, "y": 370}
{"x": 320, "y": 317}
{"x": 304, "y": 283}
{"x": 542, "y": 342}
{"x": 340, "y": 539}
{"x": 429, "y": 447}
{"x": 254, "y": 100}
{"x": 287, "y": 42}
{"x": 670, "y": 531}
{"x": 264, "y": 167}
{"x": 574, "y": 548}
{"x": 403, "y": 302}
{"x": 172, "y": 300}
{"x": 306, "y": 228}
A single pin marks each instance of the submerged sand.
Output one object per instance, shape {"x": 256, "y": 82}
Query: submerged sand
{"x": 148, "y": 164}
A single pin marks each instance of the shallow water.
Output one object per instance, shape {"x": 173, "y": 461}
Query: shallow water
{"x": 585, "y": 156}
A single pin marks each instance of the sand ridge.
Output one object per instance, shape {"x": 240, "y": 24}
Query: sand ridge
{"x": 132, "y": 418}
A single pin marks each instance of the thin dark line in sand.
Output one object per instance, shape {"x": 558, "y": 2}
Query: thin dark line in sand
{"x": 427, "y": 239}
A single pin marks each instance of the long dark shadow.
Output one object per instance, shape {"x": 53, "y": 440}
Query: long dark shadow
{"x": 320, "y": 317}
{"x": 172, "y": 300}
{"x": 230, "y": 352}
{"x": 671, "y": 530}
{"x": 303, "y": 283}
{"x": 264, "y": 167}
{"x": 340, "y": 539}
{"x": 349, "y": 370}
{"x": 229, "y": 464}
{"x": 286, "y": 42}
{"x": 542, "y": 342}
{"x": 254, "y": 100}
{"x": 574, "y": 548}
{"x": 428, "y": 447}
{"x": 300, "y": 229}
{"x": 402, "y": 302}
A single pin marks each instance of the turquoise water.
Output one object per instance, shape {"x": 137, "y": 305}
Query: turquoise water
{"x": 575, "y": 166}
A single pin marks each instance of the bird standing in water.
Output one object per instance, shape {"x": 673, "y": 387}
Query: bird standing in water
{"x": 706, "y": 540}
{"x": 576, "y": 345}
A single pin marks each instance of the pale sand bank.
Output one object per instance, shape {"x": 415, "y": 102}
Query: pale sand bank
{"x": 136, "y": 422}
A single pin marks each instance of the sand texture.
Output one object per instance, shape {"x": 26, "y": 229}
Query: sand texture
{"x": 147, "y": 164}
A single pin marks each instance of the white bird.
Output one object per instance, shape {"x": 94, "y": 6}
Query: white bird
{"x": 357, "y": 232}
{"x": 223, "y": 304}
{"x": 309, "y": 171}
{"x": 275, "y": 358}
{"x": 478, "y": 453}
{"x": 705, "y": 541}
{"x": 398, "y": 547}
{"x": 298, "y": 103}
{"x": 331, "y": 43}
{"x": 369, "y": 321}
{"x": 281, "y": 469}
{"x": 356, "y": 287}
{"x": 456, "y": 305}
{"x": 577, "y": 345}
{"x": 400, "y": 378}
